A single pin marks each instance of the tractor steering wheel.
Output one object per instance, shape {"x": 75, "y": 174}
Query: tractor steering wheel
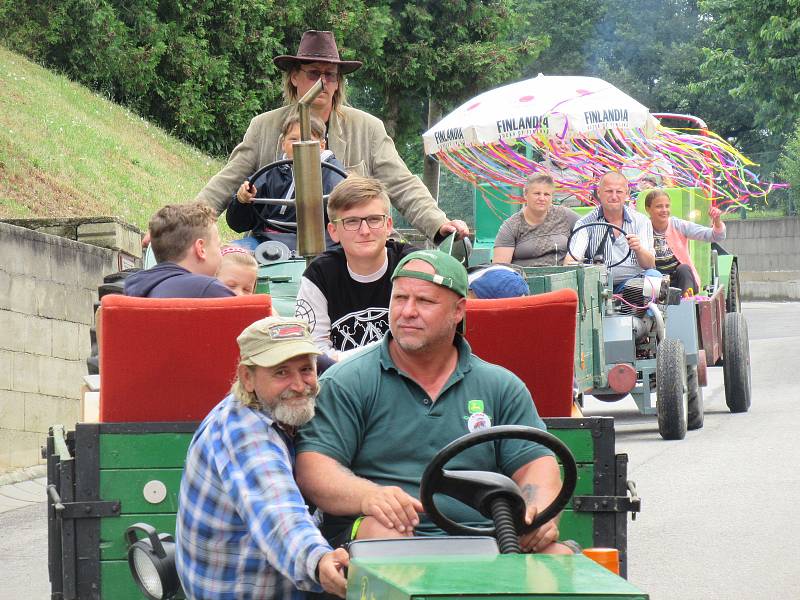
{"x": 478, "y": 489}
{"x": 256, "y": 205}
{"x": 609, "y": 226}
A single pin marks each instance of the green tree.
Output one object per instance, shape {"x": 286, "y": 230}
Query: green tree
{"x": 790, "y": 172}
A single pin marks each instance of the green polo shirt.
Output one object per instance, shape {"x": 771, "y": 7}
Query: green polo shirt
{"x": 375, "y": 420}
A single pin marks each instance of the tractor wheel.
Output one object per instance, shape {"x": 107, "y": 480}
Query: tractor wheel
{"x": 694, "y": 420}
{"x": 671, "y": 396}
{"x": 736, "y": 363}
{"x": 732, "y": 303}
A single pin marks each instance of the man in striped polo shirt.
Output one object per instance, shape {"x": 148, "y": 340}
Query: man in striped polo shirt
{"x": 613, "y": 191}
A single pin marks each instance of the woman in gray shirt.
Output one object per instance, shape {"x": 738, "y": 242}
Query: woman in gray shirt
{"x": 536, "y": 236}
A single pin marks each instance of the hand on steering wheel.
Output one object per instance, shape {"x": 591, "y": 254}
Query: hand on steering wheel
{"x": 610, "y": 227}
{"x": 478, "y": 489}
{"x": 257, "y": 203}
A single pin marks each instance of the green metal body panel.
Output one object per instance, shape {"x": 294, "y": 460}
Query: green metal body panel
{"x": 588, "y": 283}
{"x": 281, "y": 280}
{"x": 725, "y": 264}
{"x": 115, "y": 461}
{"x": 492, "y": 206}
{"x": 472, "y": 577}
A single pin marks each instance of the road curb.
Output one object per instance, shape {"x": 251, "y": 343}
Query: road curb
{"x": 23, "y": 474}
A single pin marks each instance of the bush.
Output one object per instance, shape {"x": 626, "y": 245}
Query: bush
{"x": 199, "y": 68}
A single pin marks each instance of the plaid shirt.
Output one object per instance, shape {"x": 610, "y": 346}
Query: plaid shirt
{"x": 243, "y": 529}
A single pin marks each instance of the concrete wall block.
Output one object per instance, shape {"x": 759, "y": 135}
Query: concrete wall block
{"x": 12, "y": 330}
{"x": 38, "y": 335}
{"x": 42, "y": 412}
{"x": 67, "y": 231}
{"x": 79, "y": 307}
{"x": 111, "y": 235}
{"x": 5, "y": 289}
{"x": 67, "y": 341}
{"x": 6, "y": 369}
{"x": 84, "y": 341}
{"x": 20, "y": 448}
{"x": 25, "y": 372}
{"x": 65, "y": 265}
{"x": 12, "y": 410}
{"x": 22, "y": 294}
{"x": 51, "y": 300}
{"x": 59, "y": 377}
{"x": 28, "y": 253}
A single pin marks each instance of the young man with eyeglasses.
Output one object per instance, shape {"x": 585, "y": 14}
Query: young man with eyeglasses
{"x": 358, "y": 139}
{"x": 344, "y": 293}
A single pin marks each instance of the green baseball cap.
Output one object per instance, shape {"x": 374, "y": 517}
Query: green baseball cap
{"x": 448, "y": 272}
{"x": 270, "y": 341}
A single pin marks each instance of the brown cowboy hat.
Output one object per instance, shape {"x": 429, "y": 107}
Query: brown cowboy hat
{"x": 317, "y": 46}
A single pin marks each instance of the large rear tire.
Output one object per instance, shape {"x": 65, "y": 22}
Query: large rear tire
{"x": 671, "y": 396}
{"x": 695, "y": 416}
{"x": 736, "y": 363}
{"x": 732, "y": 303}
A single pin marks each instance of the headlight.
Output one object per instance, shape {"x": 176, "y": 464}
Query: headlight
{"x": 152, "y": 562}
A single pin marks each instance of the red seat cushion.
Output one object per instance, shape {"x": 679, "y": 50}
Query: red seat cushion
{"x": 170, "y": 359}
{"x": 533, "y": 337}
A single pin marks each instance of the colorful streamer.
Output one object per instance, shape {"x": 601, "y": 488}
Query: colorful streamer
{"x": 677, "y": 157}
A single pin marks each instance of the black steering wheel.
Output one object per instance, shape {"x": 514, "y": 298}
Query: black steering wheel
{"x": 258, "y": 202}
{"x": 609, "y": 226}
{"x": 479, "y": 489}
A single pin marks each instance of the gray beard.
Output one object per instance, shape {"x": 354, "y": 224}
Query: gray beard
{"x": 295, "y": 415}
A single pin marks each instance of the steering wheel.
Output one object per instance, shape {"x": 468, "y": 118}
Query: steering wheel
{"x": 258, "y": 202}
{"x": 597, "y": 224}
{"x": 478, "y": 489}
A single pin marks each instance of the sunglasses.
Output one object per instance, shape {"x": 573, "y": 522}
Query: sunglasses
{"x": 314, "y": 75}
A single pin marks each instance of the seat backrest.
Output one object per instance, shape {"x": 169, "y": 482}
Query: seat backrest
{"x": 170, "y": 359}
{"x": 533, "y": 337}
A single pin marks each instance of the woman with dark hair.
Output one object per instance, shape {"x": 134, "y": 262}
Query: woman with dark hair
{"x": 671, "y": 237}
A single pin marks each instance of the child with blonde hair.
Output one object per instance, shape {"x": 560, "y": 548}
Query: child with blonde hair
{"x": 239, "y": 270}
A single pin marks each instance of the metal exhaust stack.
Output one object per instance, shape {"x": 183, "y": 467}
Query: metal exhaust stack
{"x": 308, "y": 182}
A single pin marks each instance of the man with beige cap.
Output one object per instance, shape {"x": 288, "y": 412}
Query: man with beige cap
{"x": 243, "y": 528}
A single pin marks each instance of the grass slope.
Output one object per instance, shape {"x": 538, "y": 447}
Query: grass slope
{"x": 65, "y": 151}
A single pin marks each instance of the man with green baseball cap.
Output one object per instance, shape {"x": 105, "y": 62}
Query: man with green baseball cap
{"x": 383, "y": 414}
{"x": 238, "y": 487}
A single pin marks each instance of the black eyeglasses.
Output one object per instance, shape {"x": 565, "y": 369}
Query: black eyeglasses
{"x": 354, "y": 223}
{"x": 314, "y": 75}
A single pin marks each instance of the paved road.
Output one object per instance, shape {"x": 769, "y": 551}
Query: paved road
{"x": 717, "y": 517}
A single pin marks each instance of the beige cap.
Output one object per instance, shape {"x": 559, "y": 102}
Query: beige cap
{"x": 270, "y": 341}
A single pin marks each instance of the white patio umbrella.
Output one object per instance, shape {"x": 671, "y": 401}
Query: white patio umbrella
{"x": 561, "y": 106}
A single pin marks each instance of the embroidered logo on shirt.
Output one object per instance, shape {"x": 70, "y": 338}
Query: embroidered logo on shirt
{"x": 478, "y": 422}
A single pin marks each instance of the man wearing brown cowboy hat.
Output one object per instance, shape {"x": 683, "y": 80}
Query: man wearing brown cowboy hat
{"x": 356, "y": 138}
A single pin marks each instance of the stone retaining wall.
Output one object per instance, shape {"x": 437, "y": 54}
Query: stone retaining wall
{"x": 48, "y": 286}
{"x": 768, "y": 253}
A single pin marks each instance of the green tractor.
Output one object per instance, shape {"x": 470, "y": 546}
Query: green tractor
{"x": 113, "y": 485}
{"x": 656, "y": 348}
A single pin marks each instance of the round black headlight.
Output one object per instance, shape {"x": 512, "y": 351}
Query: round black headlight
{"x": 152, "y": 562}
